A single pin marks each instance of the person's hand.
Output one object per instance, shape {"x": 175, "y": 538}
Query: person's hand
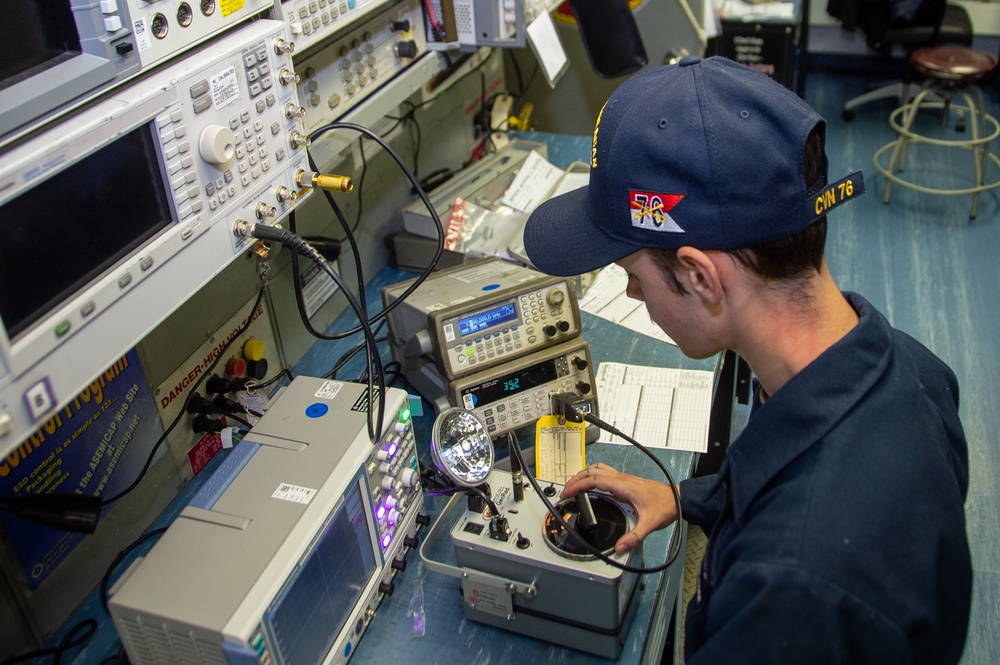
{"x": 653, "y": 502}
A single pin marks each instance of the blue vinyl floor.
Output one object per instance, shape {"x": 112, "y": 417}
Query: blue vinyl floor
{"x": 935, "y": 274}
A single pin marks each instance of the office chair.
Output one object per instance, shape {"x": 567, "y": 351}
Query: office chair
{"x": 886, "y": 27}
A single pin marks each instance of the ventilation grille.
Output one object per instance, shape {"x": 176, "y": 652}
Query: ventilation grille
{"x": 465, "y": 21}
{"x": 149, "y": 644}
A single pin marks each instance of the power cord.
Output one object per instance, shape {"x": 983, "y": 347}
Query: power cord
{"x": 277, "y": 234}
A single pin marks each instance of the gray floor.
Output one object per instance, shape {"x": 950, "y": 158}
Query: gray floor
{"x": 934, "y": 273}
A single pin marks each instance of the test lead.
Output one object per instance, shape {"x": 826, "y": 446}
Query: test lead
{"x": 517, "y": 478}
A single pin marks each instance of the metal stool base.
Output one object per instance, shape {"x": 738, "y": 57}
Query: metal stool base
{"x": 983, "y": 128}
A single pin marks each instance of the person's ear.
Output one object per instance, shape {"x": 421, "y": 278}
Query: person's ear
{"x": 701, "y": 274}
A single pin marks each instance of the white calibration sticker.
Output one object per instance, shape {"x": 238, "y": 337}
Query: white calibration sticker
{"x": 141, "y": 34}
{"x": 449, "y": 332}
{"x": 329, "y": 389}
{"x": 225, "y": 88}
{"x": 293, "y": 493}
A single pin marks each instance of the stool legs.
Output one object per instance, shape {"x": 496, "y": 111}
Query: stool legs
{"x": 983, "y": 128}
{"x": 897, "y": 161}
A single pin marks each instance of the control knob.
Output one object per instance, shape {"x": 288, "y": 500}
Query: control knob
{"x": 409, "y": 477}
{"x": 579, "y": 363}
{"x": 556, "y": 297}
{"x": 405, "y": 49}
{"x": 217, "y": 144}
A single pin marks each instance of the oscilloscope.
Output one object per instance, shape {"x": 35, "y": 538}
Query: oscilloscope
{"x": 289, "y": 548}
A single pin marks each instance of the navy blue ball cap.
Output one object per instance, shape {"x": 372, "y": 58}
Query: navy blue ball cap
{"x": 706, "y": 153}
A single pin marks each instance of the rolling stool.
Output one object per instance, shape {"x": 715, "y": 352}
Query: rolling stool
{"x": 950, "y": 72}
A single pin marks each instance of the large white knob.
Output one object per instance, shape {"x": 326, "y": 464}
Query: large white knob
{"x": 409, "y": 477}
{"x": 217, "y": 144}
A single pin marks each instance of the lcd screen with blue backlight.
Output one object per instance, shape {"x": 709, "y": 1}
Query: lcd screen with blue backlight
{"x": 487, "y": 319}
{"x": 317, "y": 599}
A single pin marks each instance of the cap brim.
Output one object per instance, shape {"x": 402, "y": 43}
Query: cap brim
{"x": 560, "y": 237}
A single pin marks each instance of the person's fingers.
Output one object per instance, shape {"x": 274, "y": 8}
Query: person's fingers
{"x": 596, "y": 476}
{"x": 629, "y": 541}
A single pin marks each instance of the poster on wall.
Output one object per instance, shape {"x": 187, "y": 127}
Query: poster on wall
{"x": 96, "y": 445}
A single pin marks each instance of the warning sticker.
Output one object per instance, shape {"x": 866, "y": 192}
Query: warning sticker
{"x": 230, "y": 6}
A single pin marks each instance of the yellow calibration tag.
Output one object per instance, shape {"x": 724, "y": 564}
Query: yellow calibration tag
{"x": 560, "y": 449}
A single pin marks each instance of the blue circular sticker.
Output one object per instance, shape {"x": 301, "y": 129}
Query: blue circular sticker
{"x": 316, "y": 410}
{"x": 490, "y": 287}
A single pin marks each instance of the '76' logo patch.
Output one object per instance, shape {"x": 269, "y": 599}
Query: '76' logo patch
{"x": 651, "y": 210}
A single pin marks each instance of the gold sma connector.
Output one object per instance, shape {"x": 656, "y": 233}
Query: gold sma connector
{"x": 331, "y": 183}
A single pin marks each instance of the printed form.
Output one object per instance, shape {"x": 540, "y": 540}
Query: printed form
{"x": 658, "y": 407}
{"x": 606, "y": 298}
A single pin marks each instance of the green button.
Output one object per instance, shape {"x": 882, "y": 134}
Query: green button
{"x": 62, "y": 328}
{"x": 470, "y": 351}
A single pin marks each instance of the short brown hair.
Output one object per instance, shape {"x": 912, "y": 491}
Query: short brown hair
{"x": 789, "y": 259}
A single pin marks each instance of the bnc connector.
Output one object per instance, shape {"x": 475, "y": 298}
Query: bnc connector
{"x": 299, "y": 140}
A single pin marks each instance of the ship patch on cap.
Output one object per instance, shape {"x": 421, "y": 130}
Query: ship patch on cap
{"x": 651, "y": 211}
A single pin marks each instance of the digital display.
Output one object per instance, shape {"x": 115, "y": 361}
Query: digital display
{"x": 319, "y": 597}
{"x": 513, "y": 383}
{"x": 483, "y": 320}
{"x": 69, "y": 229}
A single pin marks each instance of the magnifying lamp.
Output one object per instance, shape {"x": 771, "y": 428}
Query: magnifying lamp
{"x": 463, "y": 451}
{"x": 461, "y": 447}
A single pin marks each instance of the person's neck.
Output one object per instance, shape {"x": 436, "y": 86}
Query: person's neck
{"x": 780, "y": 336}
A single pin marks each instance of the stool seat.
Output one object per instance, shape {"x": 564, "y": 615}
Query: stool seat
{"x": 955, "y": 64}
{"x": 951, "y": 73}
